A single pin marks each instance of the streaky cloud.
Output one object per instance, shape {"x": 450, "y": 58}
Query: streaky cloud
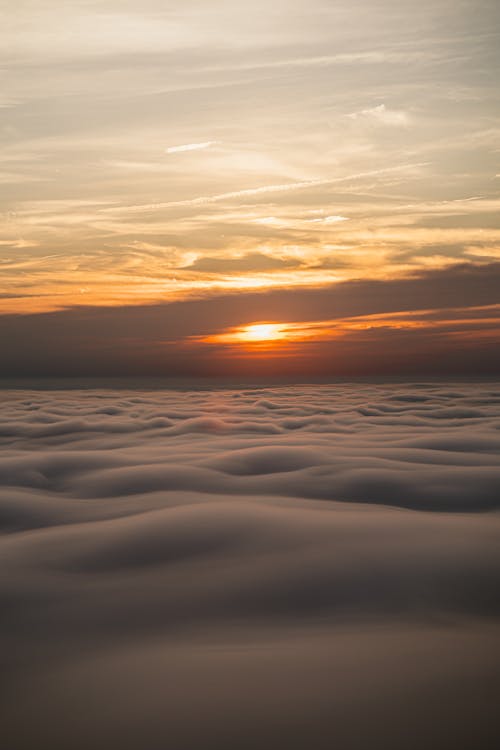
{"x": 265, "y": 189}
{"x": 190, "y": 147}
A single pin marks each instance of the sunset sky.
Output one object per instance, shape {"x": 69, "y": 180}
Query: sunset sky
{"x": 250, "y": 374}
{"x": 175, "y": 173}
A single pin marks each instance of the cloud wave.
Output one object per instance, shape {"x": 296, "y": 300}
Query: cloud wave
{"x": 246, "y": 556}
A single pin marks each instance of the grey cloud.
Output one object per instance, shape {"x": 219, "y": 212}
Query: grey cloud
{"x": 276, "y": 562}
{"x": 482, "y": 220}
{"x": 250, "y": 262}
{"x": 144, "y": 340}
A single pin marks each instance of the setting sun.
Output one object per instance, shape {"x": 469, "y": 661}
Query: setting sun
{"x": 261, "y": 332}
{"x": 255, "y": 335}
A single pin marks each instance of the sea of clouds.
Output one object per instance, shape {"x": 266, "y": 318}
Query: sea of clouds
{"x": 271, "y": 567}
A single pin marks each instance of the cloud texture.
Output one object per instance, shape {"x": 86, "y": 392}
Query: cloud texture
{"x": 442, "y": 322}
{"x": 286, "y": 567}
{"x": 140, "y": 139}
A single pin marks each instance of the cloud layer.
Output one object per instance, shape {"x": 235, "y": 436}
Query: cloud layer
{"x": 437, "y": 322}
{"x": 137, "y": 140}
{"x": 293, "y": 567}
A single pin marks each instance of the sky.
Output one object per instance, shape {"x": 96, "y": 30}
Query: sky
{"x": 218, "y": 166}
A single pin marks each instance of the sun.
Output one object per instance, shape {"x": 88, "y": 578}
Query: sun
{"x": 261, "y": 332}
{"x": 255, "y": 336}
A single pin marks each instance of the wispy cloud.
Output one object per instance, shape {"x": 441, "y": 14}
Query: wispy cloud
{"x": 381, "y": 114}
{"x": 265, "y": 189}
{"x": 273, "y": 126}
{"x": 7, "y": 103}
{"x": 328, "y": 219}
{"x": 190, "y": 147}
{"x": 368, "y": 57}
{"x": 19, "y": 244}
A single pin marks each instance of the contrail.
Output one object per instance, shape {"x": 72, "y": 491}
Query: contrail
{"x": 305, "y": 184}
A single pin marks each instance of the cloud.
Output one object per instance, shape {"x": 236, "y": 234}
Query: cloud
{"x": 190, "y": 147}
{"x": 251, "y": 262}
{"x": 345, "y": 58}
{"x": 264, "y": 190}
{"x": 444, "y": 326}
{"x": 7, "y": 103}
{"x": 18, "y": 244}
{"x": 244, "y": 553}
{"x": 323, "y": 443}
{"x": 381, "y": 114}
{"x": 334, "y": 219}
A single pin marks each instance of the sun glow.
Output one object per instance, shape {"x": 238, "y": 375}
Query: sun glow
{"x": 281, "y": 338}
{"x": 261, "y": 332}
{"x": 252, "y": 336}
